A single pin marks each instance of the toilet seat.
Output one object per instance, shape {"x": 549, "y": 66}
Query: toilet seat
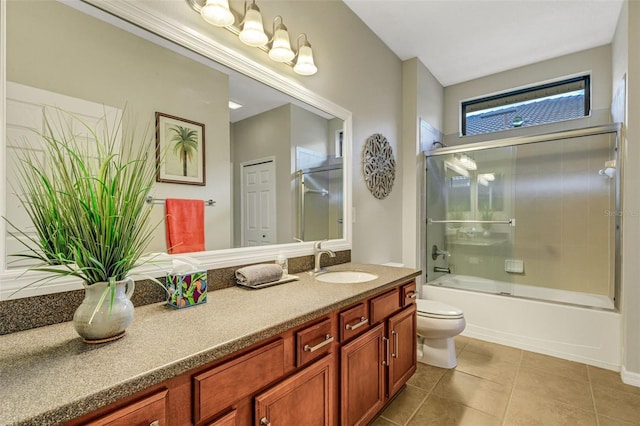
{"x": 438, "y": 310}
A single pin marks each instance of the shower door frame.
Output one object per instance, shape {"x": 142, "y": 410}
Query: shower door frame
{"x": 547, "y": 137}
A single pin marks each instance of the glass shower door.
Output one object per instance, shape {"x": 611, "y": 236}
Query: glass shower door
{"x": 470, "y": 204}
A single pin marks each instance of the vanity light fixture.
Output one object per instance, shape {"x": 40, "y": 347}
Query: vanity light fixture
{"x": 252, "y": 33}
{"x": 250, "y": 30}
{"x": 217, "y": 12}
{"x": 280, "y": 45}
{"x": 304, "y": 64}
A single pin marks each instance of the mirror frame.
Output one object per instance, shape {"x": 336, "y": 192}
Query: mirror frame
{"x": 170, "y": 26}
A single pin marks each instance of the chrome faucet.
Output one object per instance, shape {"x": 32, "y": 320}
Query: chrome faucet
{"x": 318, "y": 251}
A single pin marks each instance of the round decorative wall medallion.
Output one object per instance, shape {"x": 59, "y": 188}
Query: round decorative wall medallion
{"x": 379, "y": 166}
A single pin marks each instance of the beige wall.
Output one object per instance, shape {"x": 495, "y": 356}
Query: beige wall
{"x": 597, "y": 61}
{"x": 422, "y": 97}
{"x": 56, "y": 48}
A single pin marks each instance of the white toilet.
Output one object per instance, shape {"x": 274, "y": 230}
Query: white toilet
{"x": 438, "y": 324}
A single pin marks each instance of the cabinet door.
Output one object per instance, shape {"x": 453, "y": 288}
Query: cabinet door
{"x": 151, "y": 411}
{"x": 402, "y": 340}
{"x": 362, "y": 373}
{"x": 306, "y": 398}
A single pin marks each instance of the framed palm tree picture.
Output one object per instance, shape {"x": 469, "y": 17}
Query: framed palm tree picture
{"x": 179, "y": 150}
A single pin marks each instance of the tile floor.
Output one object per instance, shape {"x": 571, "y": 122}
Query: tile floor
{"x": 500, "y": 385}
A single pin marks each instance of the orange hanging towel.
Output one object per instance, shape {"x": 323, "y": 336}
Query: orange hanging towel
{"x": 185, "y": 225}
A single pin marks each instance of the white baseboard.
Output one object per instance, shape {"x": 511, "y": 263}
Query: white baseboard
{"x": 629, "y": 377}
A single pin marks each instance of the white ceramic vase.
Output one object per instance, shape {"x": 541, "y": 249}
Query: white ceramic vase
{"x": 110, "y": 321}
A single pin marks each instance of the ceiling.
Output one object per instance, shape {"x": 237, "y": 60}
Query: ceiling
{"x": 461, "y": 40}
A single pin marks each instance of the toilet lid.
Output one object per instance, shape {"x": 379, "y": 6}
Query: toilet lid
{"x": 435, "y": 309}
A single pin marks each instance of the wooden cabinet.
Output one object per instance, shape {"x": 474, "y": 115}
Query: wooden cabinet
{"x": 217, "y": 389}
{"x": 353, "y": 321}
{"x": 306, "y": 398}
{"x": 151, "y": 411}
{"x": 228, "y": 419}
{"x": 375, "y": 365}
{"x": 402, "y": 342}
{"x": 362, "y": 377}
{"x": 408, "y": 294}
{"x": 313, "y": 342}
{"x": 340, "y": 368}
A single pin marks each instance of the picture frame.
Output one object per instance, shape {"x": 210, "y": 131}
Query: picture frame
{"x": 180, "y": 150}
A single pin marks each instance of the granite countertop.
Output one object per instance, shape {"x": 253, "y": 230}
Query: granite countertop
{"x": 48, "y": 375}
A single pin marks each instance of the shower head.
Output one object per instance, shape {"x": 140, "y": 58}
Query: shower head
{"x": 442, "y": 144}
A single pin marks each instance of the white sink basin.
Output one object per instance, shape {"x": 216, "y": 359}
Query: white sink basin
{"x": 346, "y": 277}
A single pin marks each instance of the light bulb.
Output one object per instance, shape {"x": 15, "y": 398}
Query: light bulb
{"x": 217, "y": 12}
{"x": 304, "y": 65}
{"x": 252, "y": 33}
{"x": 281, "y": 47}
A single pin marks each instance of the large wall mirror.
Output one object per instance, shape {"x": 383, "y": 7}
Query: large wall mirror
{"x": 86, "y": 60}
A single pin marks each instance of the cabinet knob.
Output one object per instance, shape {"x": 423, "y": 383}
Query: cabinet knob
{"x": 155, "y": 423}
{"x": 412, "y": 295}
{"x": 265, "y": 422}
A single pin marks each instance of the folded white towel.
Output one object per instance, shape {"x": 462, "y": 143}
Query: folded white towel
{"x": 259, "y": 274}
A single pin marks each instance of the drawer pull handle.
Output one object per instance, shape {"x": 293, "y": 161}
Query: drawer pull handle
{"x": 395, "y": 344}
{"x": 412, "y": 295}
{"x": 265, "y": 422}
{"x": 363, "y": 321}
{"x": 327, "y": 339}
{"x": 385, "y": 361}
{"x": 155, "y": 423}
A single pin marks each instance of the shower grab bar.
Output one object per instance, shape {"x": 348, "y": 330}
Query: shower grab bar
{"x": 511, "y": 222}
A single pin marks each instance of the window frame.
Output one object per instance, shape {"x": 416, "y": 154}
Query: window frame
{"x": 586, "y": 78}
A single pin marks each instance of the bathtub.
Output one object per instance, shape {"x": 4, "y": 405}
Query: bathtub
{"x": 465, "y": 282}
{"x": 564, "y": 327}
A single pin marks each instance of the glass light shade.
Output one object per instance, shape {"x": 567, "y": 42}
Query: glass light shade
{"x": 217, "y": 12}
{"x": 304, "y": 65}
{"x": 252, "y": 33}
{"x": 281, "y": 47}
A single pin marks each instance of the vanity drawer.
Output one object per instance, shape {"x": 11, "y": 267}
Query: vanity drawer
{"x": 408, "y": 294}
{"x": 218, "y": 388}
{"x": 383, "y": 306}
{"x": 353, "y": 321}
{"x": 313, "y": 342}
{"x": 151, "y": 410}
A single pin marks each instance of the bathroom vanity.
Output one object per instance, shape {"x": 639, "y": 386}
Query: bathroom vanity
{"x": 324, "y": 353}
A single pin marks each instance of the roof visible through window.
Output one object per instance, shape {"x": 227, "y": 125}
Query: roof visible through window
{"x": 542, "y": 104}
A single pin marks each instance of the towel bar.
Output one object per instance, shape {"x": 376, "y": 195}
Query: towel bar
{"x": 152, "y": 200}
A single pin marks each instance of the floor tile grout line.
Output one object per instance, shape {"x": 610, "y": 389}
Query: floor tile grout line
{"x": 593, "y": 397}
{"x": 421, "y": 402}
{"x": 513, "y": 388}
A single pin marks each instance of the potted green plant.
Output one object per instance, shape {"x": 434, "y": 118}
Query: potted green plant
{"x": 90, "y": 215}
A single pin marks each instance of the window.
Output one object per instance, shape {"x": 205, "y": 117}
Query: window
{"x": 547, "y": 103}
